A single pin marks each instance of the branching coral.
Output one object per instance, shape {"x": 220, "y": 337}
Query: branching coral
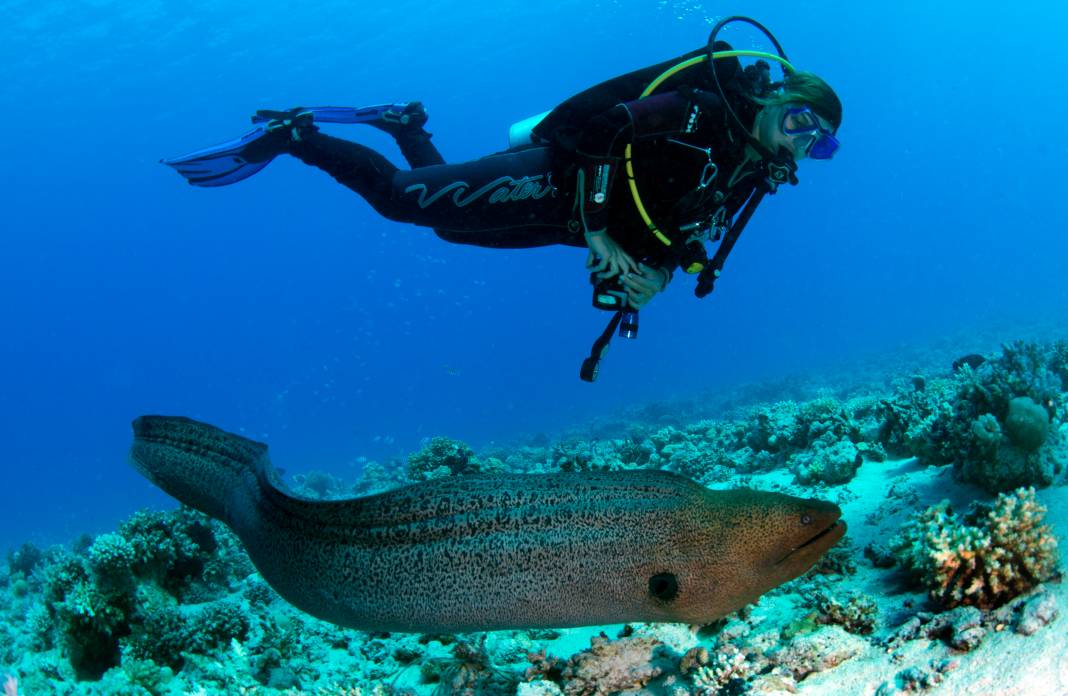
{"x": 442, "y": 456}
{"x": 118, "y": 597}
{"x": 984, "y": 559}
{"x": 111, "y": 559}
{"x": 716, "y": 670}
{"x": 171, "y": 548}
{"x": 87, "y": 604}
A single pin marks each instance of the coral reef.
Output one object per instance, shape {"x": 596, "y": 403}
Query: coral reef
{"x": 822, "y": 440}
{"x": 962, "y": 628}
{"x": 987, "y": 557}
{"x": 441, "y": 456}
{"x": 965, "y": 628}
{"x": 470, "y": 671}
{"x": 25, "y": 559}
{"x": 1026, "y": 424}
{"x": 612, "y": 666}
{"x": 376, "y": 477}
{"x": 726, "y": 667}
{"x": 831, "y": 464}
{"x": 581, "y": 455}
{"x": 857, "y": 614}
{"x": 123, "y": 593}
{"x": 817, "y": 651}
{"x": 997, "y": 423}
{"x": 606, "y": 667}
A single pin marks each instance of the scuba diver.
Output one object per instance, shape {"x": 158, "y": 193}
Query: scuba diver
{"x": 642, "y": 170}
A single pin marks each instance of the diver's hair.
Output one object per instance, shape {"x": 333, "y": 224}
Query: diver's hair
{"x": 801, "y": 88}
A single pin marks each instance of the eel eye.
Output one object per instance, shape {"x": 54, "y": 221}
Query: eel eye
{"x": 664, "y": 586}
{"x": 806, "y": 519}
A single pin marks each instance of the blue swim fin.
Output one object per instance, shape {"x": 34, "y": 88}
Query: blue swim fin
{"x": 230, "y": 162}
{"x": 239, "y": 159}
{"x": 223, "y": 164}
{"x": 400, "y": 114}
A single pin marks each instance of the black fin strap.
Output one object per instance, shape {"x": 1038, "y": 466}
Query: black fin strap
{"x": 591, "y": 366}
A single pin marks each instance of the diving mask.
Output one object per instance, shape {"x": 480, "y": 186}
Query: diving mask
{"x": 809, "y": 135}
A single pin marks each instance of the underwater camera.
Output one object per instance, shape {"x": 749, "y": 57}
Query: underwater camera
{"x": 608, "y": 293}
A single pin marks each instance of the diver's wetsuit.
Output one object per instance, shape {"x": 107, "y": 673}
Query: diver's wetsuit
{"x": 505, "y": 200}
{"x": 688, "y": 157}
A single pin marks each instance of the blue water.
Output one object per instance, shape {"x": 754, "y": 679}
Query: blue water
{"x": 286, "y": 309}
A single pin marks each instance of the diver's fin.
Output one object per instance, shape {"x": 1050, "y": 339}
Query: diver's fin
{"x": 385, "y": 116}
{"x": 226, "y": 163}
{"x": 239, "y": 159}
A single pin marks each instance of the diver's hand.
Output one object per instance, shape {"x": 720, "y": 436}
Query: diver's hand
{"x": 642, "y": 287}
{"x": 613, "y": 260}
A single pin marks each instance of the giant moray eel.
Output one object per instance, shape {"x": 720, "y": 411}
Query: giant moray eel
{"x": 487, "y": 552}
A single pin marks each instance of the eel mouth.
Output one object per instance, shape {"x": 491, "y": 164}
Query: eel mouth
{"x": 820, "y": 542}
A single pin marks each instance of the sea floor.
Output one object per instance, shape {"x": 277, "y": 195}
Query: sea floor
{"x": 1004, "y": 663}
{"x": 175, "y": 607}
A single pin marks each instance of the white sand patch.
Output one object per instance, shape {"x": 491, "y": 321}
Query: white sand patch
{"x": 1005, "y": 663}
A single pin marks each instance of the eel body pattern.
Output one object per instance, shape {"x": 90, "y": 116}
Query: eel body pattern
{"x": 487, "y": 552}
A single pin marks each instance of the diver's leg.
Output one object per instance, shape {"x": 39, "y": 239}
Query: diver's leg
{"x": 417, "y": 149}
{"x": 404, "y": 121}
{"x": 504, "y": 201}
{"x": 276, "y": 131}
{"x": 355, "y": 166}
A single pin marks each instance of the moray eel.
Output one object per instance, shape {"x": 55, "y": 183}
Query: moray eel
{"x": 485, "y": 552}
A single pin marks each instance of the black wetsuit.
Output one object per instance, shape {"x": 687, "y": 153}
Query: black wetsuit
{"x": 682, "y": 137}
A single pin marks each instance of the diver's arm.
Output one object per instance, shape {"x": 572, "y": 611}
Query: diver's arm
{"x": 573, "y": 114}
{"x": 600, "y": 156}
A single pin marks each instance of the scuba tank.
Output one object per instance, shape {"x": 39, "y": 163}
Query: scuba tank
{"x": 522, "y": 132}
